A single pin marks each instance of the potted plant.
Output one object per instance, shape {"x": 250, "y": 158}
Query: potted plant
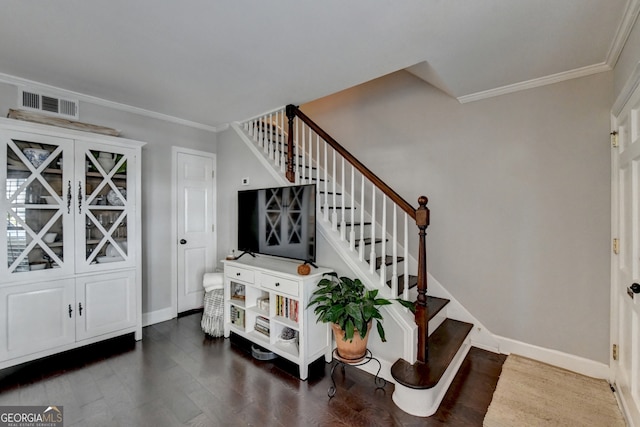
{"x": 351, "y": 309}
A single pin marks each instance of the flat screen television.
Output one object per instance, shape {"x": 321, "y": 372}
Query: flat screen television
{"x": 278, "y": 221}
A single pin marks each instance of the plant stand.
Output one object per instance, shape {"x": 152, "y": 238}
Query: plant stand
{"x": 368, "y": 357}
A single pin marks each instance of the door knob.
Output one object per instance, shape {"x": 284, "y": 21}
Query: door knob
{"x": 182, "y": 241}
{"x": 635, "y": 288}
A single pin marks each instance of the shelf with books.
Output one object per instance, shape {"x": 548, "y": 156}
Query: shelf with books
{"x": 287, "y": 308}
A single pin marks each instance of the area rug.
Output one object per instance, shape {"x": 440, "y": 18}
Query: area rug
{"x": 531, "y": 393}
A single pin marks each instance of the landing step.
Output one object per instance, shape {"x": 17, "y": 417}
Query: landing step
{"x": 435, "y": 304}
{"x": 444, "y": 343}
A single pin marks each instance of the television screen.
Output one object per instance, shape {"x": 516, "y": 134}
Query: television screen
{"x": 279, "y": 221}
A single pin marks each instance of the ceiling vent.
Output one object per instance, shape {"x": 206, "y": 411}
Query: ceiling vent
{"x": 48, "y": 104}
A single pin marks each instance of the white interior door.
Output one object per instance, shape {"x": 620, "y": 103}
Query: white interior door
{"x": 196, "y": 237}
{"x": 625, "y": 296}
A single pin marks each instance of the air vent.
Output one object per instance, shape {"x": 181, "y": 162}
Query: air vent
{"x": 48, "y": 104}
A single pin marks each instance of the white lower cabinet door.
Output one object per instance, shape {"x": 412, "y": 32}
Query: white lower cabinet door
{"x": 105, "y": 303}
{"x": 36, "y": 317}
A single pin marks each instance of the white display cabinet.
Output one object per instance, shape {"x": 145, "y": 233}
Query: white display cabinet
{"x": 71, "y": 236}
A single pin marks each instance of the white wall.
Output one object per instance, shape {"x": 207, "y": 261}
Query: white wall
{"x": 519, "y": 191}
{"x": 628, "y": 60}
{"x": 156, "y": 184}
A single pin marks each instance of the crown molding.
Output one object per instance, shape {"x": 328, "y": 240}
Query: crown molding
{"x": 622, "y": 33}
{"x": 530, "y": 84}
{"x": 625, "y": 27}
{"x": 18, "y": 81}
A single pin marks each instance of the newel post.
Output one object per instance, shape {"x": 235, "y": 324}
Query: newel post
{"x": 291, "y": 114}
{"x": 422, "y": 313}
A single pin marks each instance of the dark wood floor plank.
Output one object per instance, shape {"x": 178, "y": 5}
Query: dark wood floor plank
{"x": 177, "y": 376}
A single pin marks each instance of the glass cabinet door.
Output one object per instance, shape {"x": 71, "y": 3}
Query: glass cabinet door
{"x": 37, "y": 204}
{"x": 105, "y": 204}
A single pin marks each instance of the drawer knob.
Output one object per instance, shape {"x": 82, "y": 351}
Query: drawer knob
{"x": 237, "y": 274}
{"x": 277, "y": 283}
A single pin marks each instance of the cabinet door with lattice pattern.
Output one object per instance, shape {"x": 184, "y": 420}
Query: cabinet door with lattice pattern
{"x": 38, "y": 232}
{"x": 104, "y": 206}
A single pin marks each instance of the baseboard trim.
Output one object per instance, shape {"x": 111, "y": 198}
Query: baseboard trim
{"x": 578, "y": 364}
{"x": 157, "y": 316}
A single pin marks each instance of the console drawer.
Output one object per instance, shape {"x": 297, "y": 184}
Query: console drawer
{"x": 237, "y": 273}
{"x": 280, "y": 285}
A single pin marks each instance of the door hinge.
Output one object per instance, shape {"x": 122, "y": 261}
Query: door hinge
{"x": 616, "y": 246}
{"x": 213, "y": 228}
{"x": 614, "y": 351}
{"x": 614, "y": 139}
{"x": 213, "y": 174}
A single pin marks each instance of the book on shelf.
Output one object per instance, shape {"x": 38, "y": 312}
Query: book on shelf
{"x": 287, "y": 307}
{"x": 262, "y": 325}
{"x": 237, "y": 316}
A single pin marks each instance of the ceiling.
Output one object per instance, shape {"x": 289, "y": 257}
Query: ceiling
{"x": 210, "y": 62}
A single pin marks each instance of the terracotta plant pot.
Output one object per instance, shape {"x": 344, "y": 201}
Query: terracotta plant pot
{"x": 351, "y": 351}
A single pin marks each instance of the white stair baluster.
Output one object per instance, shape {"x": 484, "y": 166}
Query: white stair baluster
{"x": 334, "y": 213}
{"x": 352, "y": 231}
{"x": 405, "y": 290}
{"x": 394, "y": 253}
{"x": 343, "y": 225}
{"x": 276, "y": 157}
{"x": 310, "y": 157}
{"x": 362, "y": 227}
{"x": 318, "y": 168}
{"x": 383, "y": 236}
{"x": 372, "y": 253}
{"x": 326, "y": 183}
{"x": 269, "y": 131}
{"x": 263, "y": 134}
{"x": 303, "y": 150}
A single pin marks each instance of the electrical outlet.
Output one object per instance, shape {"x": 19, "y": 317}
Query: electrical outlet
{"x": 245, "y": 181}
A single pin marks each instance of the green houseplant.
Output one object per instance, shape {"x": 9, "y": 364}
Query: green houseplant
{"x": 351, "y": 309}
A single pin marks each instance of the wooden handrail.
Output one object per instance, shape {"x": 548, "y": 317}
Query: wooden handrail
{"x": 395, "y": 197}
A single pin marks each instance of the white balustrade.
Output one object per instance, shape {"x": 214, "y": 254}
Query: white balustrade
{"x": 270, "y": 133}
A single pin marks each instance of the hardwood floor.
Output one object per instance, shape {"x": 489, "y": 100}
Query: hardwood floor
{"x": 176, "y": 376}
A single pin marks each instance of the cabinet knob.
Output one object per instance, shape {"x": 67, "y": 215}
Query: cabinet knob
{"x": 183, "y": 242}
{"x": 238, "y": 274}
{"x": 277, "y": 283}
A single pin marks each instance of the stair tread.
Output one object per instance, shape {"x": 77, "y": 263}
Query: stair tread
{"x": 444, "y": 343}
{"x": 413, "y": 282}
{"x": 388, "y": 261}
{"x": 435, "y": 304}
{"x": 367, "y": 241}
{"x": 357, "y": 224}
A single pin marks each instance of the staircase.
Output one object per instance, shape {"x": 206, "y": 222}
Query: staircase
{"x": 368, "y": 225}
